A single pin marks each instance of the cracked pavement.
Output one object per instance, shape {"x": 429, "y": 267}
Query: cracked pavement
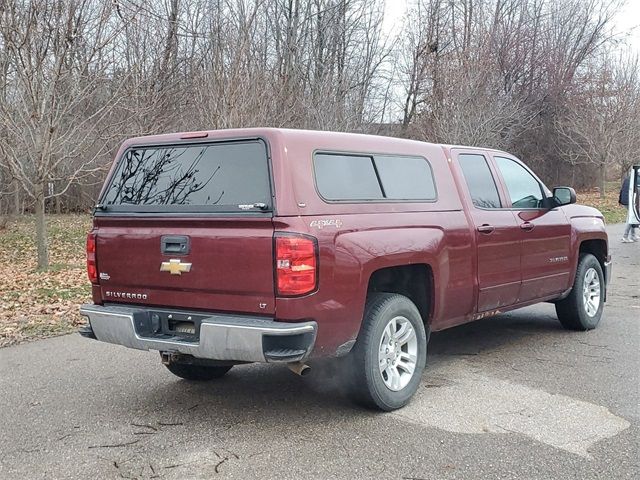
{"x": 514, "y": 396}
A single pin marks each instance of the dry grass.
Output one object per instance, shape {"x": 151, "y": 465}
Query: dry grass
{"x": 612, "y": 211}
{"x": 35, "y": 304}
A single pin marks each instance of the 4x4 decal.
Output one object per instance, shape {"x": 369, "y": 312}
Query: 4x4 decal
{"x": 320, "y": 224}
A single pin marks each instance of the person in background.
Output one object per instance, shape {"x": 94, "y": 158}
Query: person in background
{"x": 629, "y": 234}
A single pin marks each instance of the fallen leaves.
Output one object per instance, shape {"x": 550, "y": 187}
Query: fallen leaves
{"x": 36, "y": 304}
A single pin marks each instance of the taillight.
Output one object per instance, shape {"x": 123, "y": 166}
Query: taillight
{"x": 92, "y": 268}
{"x": 296, "y": 265}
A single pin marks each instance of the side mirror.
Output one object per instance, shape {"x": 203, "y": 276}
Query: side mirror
{"x": 563, "y": 196}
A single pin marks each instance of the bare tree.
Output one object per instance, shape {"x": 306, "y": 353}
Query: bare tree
{"x": 59, "y": 93}
{"x": 78, "y": 76}
{"x": 599, "y": 127}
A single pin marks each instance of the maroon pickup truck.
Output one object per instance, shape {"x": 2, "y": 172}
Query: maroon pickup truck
{"x": 267, "y": 245}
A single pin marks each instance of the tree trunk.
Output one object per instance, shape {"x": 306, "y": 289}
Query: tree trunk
{"x": 41, "y": 229}
{"x": 603, "y": 179}
{"x": 16, "y": 198}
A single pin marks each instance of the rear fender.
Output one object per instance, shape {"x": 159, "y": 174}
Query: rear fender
{"x": 369, "y": 251}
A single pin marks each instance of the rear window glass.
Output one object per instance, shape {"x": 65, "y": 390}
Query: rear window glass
{"x": 376, "y": 177}
{"x": 221, "y": 176}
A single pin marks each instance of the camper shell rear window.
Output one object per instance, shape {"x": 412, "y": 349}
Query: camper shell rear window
{"x": 231, "y": 176}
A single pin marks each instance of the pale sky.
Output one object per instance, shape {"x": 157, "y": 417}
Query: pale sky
{"x": 628, "y": 23}
{"x": 627, "y": 20}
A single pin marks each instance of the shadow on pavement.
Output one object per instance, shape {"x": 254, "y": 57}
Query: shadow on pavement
{"x": 269, "y": 393}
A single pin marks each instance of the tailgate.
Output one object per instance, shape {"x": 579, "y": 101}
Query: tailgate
{"x": 228, "y": 265}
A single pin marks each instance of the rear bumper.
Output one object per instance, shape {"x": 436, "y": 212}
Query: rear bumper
{"x": 221, "y": 337}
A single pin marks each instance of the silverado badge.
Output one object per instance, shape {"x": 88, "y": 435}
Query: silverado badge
{"x": 175, "y": 267}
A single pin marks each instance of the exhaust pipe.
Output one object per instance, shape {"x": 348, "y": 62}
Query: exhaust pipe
{"x": 299, "y": 368}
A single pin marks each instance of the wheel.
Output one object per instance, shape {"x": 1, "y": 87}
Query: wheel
{"x": 198, "y": 372}
{"x": 387, "y": 361}
{"x": 582, "y": 309}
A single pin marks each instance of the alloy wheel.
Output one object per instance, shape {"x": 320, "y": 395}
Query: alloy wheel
{"x": 398, "y": 353}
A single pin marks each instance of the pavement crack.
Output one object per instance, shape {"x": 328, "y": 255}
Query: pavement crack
{"x": 224, "y": 459}
{"x": 115, "y": 445}
{"x": 219, "y": 464}
{"x": 595, "y": 345}
{"x": 539, "y": 359}
{"x": 144, "y": 425}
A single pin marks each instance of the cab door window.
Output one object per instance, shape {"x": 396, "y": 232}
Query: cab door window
{"x": 523, "y": 188}
{"x": 482, "y": 187}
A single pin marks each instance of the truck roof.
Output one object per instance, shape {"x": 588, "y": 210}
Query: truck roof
{"x": 284, "y": 133}
{"x": 260, "y": 131}
{"x": 312, "y": 136}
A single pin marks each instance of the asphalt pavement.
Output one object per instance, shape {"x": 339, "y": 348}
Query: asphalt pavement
{"x": 514, "y": 396}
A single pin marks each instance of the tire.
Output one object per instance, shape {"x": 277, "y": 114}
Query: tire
{"x": 198, "y": 373}
{"x": 582, "y": 309}
{"x": 372, "y": 382}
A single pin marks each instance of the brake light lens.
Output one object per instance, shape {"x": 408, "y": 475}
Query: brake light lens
{"x": 194, "y": 135}
{"x": 92, "y": 268}
{"x": 296, "y": 265}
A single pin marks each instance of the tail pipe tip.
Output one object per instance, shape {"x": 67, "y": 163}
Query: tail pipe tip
{"x": 299, "y": 368}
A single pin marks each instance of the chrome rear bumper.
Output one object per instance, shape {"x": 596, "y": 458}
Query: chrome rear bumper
{"x": 221, "y": 337}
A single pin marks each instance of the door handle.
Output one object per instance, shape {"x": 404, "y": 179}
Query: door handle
{"x": 486, "y": 228}
{"x": 527, "y": 226}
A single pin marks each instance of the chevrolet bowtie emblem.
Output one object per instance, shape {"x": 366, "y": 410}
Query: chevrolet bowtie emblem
{"x": 175, "y": 267}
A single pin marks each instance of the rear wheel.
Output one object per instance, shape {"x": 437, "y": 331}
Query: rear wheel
{"x": 198, "y": 372}
{"x": 582, "y": 309}
{"x": 387, "y": 361}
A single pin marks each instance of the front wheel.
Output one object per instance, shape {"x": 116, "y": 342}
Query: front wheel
{"x": 582, "y": 309}
{"x": 387, "y": 361}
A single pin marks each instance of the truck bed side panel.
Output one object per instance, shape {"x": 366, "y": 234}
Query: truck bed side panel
{"x": 362, "y": 244}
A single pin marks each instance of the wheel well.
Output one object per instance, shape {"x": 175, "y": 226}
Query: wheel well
{"x": 413, "y": 281}
{"x": 597, "y": 248}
